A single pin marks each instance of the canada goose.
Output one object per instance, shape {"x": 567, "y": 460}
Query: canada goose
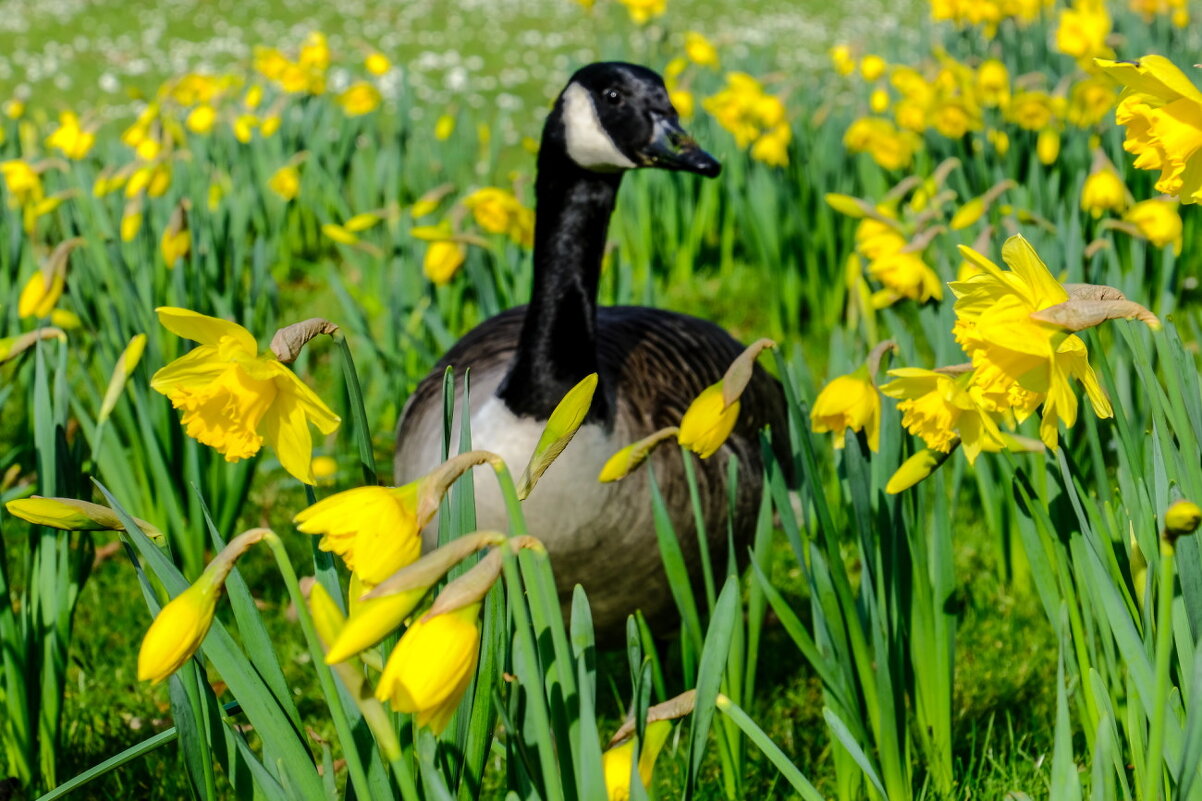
{"x": 611, "y": 117}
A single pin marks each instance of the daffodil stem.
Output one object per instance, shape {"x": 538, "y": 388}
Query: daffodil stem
{"x": 703, "y": 546}
{"x": 354, "y": 765}
{"x": 525, "y": 630}
{"x": 1154, "y": 767}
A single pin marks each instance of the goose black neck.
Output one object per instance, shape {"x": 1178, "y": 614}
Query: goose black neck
{"x": 558, "y": 343}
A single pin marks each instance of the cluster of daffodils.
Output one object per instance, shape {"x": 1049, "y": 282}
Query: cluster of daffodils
{"x": 161, "y": 137}
{"x": 706, "y": 424}
{"x": 755, "y": 117}
{"x": 955, "y": 99}
{"x": 1104, "y": 195}
{"x": 25, "y": 190}
{"x": 496, "y": 212}
{"x": 988, "y": 14}
{"x": 892, "y": 235}
{"x": 699, "y": 54}
{"x": 1018, "y": 328}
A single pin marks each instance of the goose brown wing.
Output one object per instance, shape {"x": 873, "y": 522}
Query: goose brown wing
{"x": 662, "y": 360}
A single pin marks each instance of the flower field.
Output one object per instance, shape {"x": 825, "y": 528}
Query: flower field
{"x": 963, "y": 235}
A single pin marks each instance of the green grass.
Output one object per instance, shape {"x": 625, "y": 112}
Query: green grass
{"x": 1004, "y": 699}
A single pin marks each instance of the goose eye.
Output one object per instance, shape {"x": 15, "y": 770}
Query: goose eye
{"x": 613, "y": 97}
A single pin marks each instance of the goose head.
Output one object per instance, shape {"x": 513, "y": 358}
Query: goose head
{"x": 614, "y": 117}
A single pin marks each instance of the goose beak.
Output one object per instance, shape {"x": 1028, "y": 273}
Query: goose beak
{"x": 672, "y": 148}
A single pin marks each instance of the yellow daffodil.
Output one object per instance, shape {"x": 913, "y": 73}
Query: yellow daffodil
{"x": 905, "y": 275}
{"x": 700, "y": 50}
{"x": 375, "y": 530}
{"x": 842, "y": 59}
{"x": 285, "y": 182}
{"x": 442, "y": 260}
{"x": 1083, "y": 30}
{"x": 131, "y": 221}
{"x": 371, "y": 620}
{"x": 996, "y": 329}
{"x": 1090, "y": 100}
{"x": 1104, "y": 191}
{"x": 616, "y": 762}
{"x": 1033, "y": 110}
{"x": 849, "y": 401}
{"x": 707, "y": 422}
{"x": 69, "y": 514}
{"x": 339, "y": 234}
{"x": 201, "y": 119}
{"x": 175, "y": 244}
{"x": 1182, "y": 517}
{"x": 993, "y": 83}
{"x": 1162, "y": 112}
{"x": 177, "y": 631}
{"x": 234, "y": 399}
{"x": 1157, "y": 221}
{"x": 940, "y": 410}
{"x": 1047, "y": 146}
{"x": 244, "y": 127}
{"x": 889, "y": 147}
{"x": 752, "y": 115}
{"x": 22, "y": 182}
{"x": 500, "y": 212}
{"x": 683, "y": 101}
{"x": 69, "y": 138}
{"x": 359, "y": 98}
{"x": 377, "y": 63}
{"x": 325, "y": 468}
{"x": 444, "y": 126}
{"x": 642, "y": 11}
{"x": 40, "y": 294}
{"x": 432, "y": 666}
{"x": 180, "y": 627}
{"x": 872, "y": 67}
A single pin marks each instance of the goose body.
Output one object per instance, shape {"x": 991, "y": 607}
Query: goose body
{"x": 650, "y": 363}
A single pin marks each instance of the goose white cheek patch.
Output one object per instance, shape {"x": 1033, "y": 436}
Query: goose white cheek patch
{"x": 588, "y": 143}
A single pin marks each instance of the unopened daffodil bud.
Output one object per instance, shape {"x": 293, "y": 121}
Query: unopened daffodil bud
{"x": 432, "y": 666}
{"x": 617, "y": 761}
{"x": 915, "y": 469}
{"x": 1181, "y": 518}
{"x": 68, "y": 514}
{"x": 561, "y": 426}
{"x": 627, "y": 460}
{"x": 126, "y": 362}
{"x": 12, "y": 347}
{"x": 180, "y": 627}
{"x": 370, "y": 621}
{"x": 707, "y": 422}
{"x": 1047, "y": 146}
{"x": 849, "y": 401}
